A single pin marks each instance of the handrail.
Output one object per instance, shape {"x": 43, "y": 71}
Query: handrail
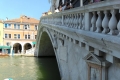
{"x": 97, "y": 17}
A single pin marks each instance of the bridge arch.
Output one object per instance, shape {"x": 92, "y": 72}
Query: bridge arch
{"x": 46, "y": 43}
{"x": 17, "y": 47}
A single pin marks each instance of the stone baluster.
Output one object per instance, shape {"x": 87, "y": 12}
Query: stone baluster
{"x": 77, "y": 20}
{"x": 113, "y": 22}
{"x": 74, "y": 20}
{"x": 57, "y": 20}
{"x": 64, "y": 20}
{"x": 80, "y": 21}
{"x": 60, "y": 20}
{"x": 118, "y": 26}
{"x": 68, "y": 20}
{"x": 83, "y": 21}
{"x": 99, "y": 22}
{"x": 93, "y": 22}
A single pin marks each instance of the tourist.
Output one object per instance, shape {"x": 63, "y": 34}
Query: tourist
{"x": 56, "y": 10}
{"x": 60, "y": 8}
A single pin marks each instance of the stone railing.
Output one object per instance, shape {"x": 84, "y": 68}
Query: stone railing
{"x": 102, "y": 17}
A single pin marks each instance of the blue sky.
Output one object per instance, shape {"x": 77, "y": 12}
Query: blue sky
{"x": 14, "y": 8}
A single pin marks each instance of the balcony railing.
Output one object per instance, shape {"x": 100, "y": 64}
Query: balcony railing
{"x": 102, "y": 17}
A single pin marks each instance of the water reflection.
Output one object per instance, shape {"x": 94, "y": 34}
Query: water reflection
{"x": 29, "y": 68}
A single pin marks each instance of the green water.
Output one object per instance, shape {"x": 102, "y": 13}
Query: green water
{"x": 29, "y": 68}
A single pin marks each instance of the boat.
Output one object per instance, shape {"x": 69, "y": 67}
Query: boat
{"x": 8, "y": 79}
{"x": 3, "y": 54}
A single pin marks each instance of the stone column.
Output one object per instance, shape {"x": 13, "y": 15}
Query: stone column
{"x": 11, "y": 51}
{"x": 87, "y": 23}
{"x": 22, "y": 49}
{"x": 81, "y": 3}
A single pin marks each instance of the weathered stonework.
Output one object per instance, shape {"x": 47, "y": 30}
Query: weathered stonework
{"x": 83, "y": 46}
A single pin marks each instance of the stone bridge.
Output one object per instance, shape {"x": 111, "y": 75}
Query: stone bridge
{"x": 85, "y": 41}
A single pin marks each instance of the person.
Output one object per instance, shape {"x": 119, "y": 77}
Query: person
{"x": 65, "y": 6}
{"x": 60, "y": 8}
{"x": 56, "y": 10}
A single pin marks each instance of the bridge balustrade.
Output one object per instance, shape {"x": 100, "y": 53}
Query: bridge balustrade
{"x": 102, "y": 17}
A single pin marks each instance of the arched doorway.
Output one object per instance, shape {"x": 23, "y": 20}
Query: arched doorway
{"x": 17, "y": 48}
{"x": 47, "y": 52}
{"x": 27, "y": 46}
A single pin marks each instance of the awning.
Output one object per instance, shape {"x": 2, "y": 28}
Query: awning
{"x": 33, "y": 43}
{"x": 5, "y": 47}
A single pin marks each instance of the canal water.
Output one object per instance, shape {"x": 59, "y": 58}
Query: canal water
{"x": 29, "y": 68}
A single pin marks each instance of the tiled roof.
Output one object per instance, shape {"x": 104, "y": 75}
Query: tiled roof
{"x": 23, "y": 19}
{"x": 1, "y": 21}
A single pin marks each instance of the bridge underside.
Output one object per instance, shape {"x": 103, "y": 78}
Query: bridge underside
{"x": 46, "y": 48}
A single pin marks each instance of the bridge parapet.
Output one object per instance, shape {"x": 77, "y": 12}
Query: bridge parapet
{"x": 101, "y": 17}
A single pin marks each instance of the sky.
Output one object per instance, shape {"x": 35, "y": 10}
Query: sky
{"x": 15, "y": 8}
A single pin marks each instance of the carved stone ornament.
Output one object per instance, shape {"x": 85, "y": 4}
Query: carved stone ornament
{"x": 97, "y": 67}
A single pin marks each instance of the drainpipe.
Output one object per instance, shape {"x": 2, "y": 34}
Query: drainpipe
{"x": 81, "y": 3}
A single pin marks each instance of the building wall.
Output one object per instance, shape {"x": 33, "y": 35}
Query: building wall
{"x": 31, "y": 31}
{"x": 1, "y": 33}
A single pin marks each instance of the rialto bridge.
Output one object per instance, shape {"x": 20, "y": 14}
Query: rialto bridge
{"x": 85, "y": 41}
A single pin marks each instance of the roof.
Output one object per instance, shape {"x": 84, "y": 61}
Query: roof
{"x": 23, "y": 19}
{"x": 1, "y": 21}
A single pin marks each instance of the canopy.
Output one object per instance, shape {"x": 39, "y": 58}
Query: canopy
{"x": 5, "y": 47}
{"x": 33, "y": 43}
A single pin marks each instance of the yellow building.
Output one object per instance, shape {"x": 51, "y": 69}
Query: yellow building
{"x": 1, "y": 32}
{"x": 20, "y": 33}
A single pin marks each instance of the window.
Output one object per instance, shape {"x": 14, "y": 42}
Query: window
{"x": 35, "y": 36}
{"x": 28, "y": 36}
{"x": 16, "y": 26}
{"x": 16, "y": 36}
{"x": 26, "y": 27}
{"x": 25, "y": 36}
{"x": 7, "y": 25}
{"x": 36, "y": 27}
{"x": 7, "y": 35}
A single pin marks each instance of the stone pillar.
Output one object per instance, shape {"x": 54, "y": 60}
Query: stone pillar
{"x": 22, "y": 49}
{"x": 11, "y": 51}
{"x": 81, "y": 3}
{"x": 87, "y": 23}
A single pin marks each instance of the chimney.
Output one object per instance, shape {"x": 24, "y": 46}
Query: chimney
{"x": 21, "y": 17}
{"x": 6, "y": 18}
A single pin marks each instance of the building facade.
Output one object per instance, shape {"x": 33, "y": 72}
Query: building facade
{"x": 20, "y": 34}
{"x": 1, "y": 33}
